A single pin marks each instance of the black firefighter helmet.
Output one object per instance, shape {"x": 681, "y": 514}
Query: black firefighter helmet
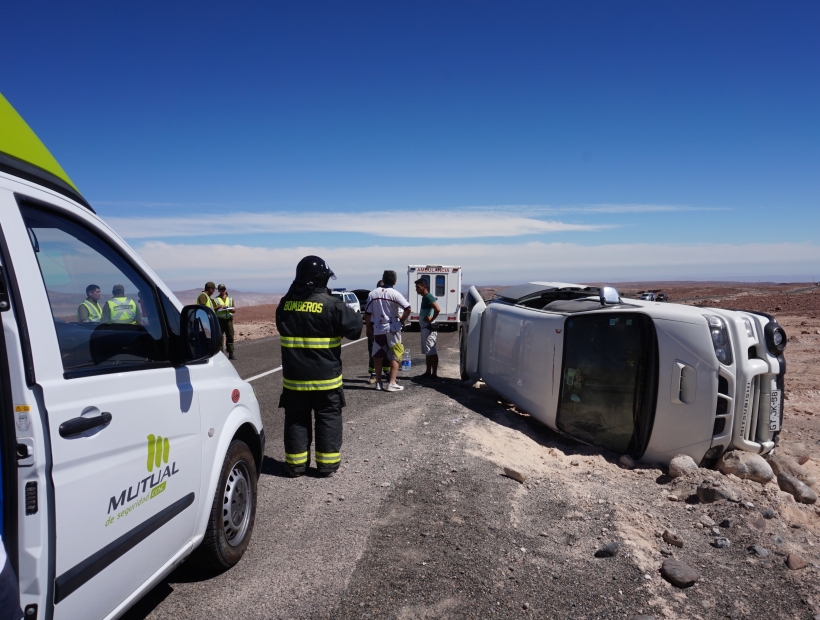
{"x": 314, "y": 271}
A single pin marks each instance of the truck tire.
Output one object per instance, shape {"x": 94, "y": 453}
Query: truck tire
{"x": 233, "y": 512}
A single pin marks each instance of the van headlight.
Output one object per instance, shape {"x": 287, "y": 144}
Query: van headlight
{"x": 775, "y": 338}
{"x": 720, "y": 338}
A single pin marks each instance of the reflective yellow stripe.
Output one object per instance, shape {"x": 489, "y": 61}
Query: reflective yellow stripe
{"x": 296, "y": 459}
{"x": 304, "y": 386}
{"x": 297, "y": 342}
{"x": 328, "y": 458}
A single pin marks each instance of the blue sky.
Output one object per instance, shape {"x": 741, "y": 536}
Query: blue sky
{"x": 566, "y": 141}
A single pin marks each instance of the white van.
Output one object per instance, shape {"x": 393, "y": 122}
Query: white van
{"x": 444, "y": 282}
{"x": 643, "y": 378}
{"x": 128, "y": 440}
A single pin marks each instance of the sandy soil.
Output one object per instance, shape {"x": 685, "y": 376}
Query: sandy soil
{"x": 253, "y": 322}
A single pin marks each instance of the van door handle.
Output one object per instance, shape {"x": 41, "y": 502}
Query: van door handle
{"x": 77, "y": 426}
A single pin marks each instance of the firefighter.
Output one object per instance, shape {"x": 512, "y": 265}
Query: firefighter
{"x": 223, "y": 304}
{"x": 311, "y": 324}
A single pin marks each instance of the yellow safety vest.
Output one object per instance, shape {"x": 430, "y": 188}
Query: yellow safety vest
{"x": 122, "y": 310}
{"x": 209, "y": 303}
{"x": 221, "y": 304}
{"x": 94, "y": 311}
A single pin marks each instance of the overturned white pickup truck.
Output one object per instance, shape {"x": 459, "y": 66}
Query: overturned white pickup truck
{"x": 647, "y": 379}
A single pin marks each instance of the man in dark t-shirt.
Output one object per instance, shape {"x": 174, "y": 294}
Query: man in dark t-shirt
{"x": 428, "y": 311}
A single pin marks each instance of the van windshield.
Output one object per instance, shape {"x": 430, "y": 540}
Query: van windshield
{"x": 609, "y": 381}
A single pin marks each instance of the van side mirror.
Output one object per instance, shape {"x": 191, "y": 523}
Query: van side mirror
{"x": 200, "y": 335}
{"x": 609, "y": 295}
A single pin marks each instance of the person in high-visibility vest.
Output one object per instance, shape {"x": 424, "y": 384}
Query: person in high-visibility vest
{"x": 120, "y": 309}
{"x": 223, "y": 304}
{"x": 90, "y": 311}
{"x": 204, "y": 298}
{"x": 311, "y": 324}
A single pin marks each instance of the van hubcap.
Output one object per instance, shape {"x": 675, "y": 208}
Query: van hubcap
{"x": 236, "y": 504}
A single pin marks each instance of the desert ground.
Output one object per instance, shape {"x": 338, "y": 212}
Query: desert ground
{"x": 426, "y": 524}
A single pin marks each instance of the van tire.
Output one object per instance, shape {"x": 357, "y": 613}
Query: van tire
{"x": 218, "y": 550}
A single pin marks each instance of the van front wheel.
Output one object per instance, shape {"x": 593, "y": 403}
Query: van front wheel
{"x": 232, "y": 514}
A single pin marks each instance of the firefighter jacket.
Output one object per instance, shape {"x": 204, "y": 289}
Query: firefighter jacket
{"x": 311, "y": 324}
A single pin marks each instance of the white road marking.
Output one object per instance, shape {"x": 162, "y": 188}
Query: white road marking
{"x": 278, "y": 368}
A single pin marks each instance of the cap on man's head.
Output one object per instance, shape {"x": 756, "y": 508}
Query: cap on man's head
{"x": 222, "y": 287}
{"x": 210, "y": 285}
{"x": 118, "y": 290}
{"x": 389, "y": 277}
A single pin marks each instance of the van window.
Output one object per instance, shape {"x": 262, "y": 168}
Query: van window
{"x": 440, "y": 286}
{"x": 105, "y": 314}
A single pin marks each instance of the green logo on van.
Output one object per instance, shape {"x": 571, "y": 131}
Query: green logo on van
{"x": 159, "y": 449}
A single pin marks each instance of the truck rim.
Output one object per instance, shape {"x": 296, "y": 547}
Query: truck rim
{"x": 236, "y": 504}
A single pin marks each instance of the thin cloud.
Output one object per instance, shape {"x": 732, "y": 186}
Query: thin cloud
{"x": 452, "y": 224}
{"x": 261, "y": 268}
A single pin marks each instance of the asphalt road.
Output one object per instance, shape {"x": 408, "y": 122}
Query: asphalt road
{"x": 420, "y": 522}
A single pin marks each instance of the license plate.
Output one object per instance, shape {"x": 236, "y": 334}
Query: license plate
{"x": 774, "y": 410}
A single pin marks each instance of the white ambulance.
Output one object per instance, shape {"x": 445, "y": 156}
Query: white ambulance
{"x": 444, "y": 282}
{"x": 127, "y": 440}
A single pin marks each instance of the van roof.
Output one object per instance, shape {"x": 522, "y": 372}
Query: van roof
{"x": 24, "y": 155}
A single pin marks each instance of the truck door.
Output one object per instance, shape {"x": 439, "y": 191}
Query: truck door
{"x": 124, "y": 423}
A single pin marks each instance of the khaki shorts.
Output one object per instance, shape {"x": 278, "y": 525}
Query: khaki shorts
{"x": 428, "y": 338}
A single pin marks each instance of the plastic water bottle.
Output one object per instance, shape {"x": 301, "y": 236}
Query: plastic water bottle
{"x": 406, "y": 362}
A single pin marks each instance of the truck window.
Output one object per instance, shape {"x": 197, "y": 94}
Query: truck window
{"x": 609, "y": 380}
{"x": 105, "y": 313}
{"x": 441, "y": 289}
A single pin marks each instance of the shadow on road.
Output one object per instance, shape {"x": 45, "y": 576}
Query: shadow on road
{"x": 186, "y": 573}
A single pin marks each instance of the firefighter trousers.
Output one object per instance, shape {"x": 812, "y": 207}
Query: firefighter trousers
{"x": 326, "y": 406}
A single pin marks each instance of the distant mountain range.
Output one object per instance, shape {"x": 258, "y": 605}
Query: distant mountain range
{"x": 240, "y": 298}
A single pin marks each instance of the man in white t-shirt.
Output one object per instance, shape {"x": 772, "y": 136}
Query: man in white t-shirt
{"x": 384, "y": 314}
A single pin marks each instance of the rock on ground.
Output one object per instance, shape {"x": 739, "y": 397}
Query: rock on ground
{"x": 679, "y": 573}
{"x": 626, "y": 462}
{"x": 681, "y": 465}
{"x": 795, "y": 562}
{"x": 746, "y": 466}
{"x": 758, "y": 551}
{"x": 800, "y": 491}
{"x": 783, "y": 463}
{"x": 708, "y": 493}
{"x": 673, "y": 538}
{"x": 609, "y": 550}
{"x": 515, "y": 475}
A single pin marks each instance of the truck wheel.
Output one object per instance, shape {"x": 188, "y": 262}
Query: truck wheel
{"x": 233, "y": 512}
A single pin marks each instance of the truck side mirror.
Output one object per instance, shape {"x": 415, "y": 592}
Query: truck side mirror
{"x": 200, "y": 334}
